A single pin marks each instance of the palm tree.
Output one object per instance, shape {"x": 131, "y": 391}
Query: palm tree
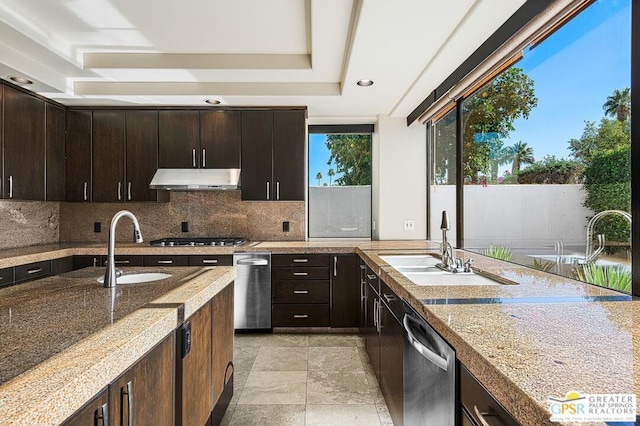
{"x": 331, "y": 173}
{"x": 522, "y": 154}
{"x": 319, "y": 177}
{"x": 618, "y": 104}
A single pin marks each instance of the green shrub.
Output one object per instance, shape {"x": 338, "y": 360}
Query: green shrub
{"x": 551, "y": 170}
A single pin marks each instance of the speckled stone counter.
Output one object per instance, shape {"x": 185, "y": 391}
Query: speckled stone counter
{"x": 63, "y": 339}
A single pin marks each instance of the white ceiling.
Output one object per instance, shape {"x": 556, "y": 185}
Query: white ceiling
{"x": 245, "y": 52}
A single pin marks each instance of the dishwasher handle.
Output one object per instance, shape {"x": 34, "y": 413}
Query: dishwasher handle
{"x": 422, "y": 349}
{"x": 252, "y": 262}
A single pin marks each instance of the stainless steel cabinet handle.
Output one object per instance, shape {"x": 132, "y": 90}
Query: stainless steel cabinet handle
{"x": 375, "y": 313}
{"x": 300, "y": 274}
{"x": 129, "y": 191}
{"x": 193, "y": 152}
{"x": 252, "y": 262}
{"x": 10, "y": 186}
{"x": 129, "y": 393}
{"x": 423, "y": 350}
{"x": 300, "y": 291}
{"x": 371, "y": 276}
{"x": 119, "y": 191}
{"x": 277, "y": 190}
{"x": 300, "y": 260}
{"x": 204, "y": 158}
{"x": 85, "y": 191}
{"x": 165, "y": 262}
{"x": 389, "y": 297}
{"x": 121, "y": 262}
{"x": 363, "y": 295}
{"x": 209, "y": 261}
{"x": 34, "y": 271}
{"x": 103, "y": 414}
{"x": 335, "y": 266}
{"x": 268, "y": 190}
{"x": 301, "y": 316}
{"x": 481, "y": 416}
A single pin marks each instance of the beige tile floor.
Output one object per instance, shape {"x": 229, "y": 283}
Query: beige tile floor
{"x": 307, "y": 380}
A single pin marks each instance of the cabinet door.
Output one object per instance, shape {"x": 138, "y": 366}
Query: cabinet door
{"x": 288, "y": 155}
{"x": 391, "y": 347}
{"x": 195, "y": 377}
{"x": 372, "y": 338}
{"x": 257, "y": 133}
{"x": 220, "y": 134}
{"x": 345, "y": 291}
{"x": 55, "y": 153}
{"x": 24, "y": 141}
{"x": 93, "y": 413}
{"x": 108, "y": 156}
{"x": 143, "y": 395}
{"x": 166, "y": 260}
{"x": 222, "y": 347}
{"x": 141, "y": 140}
{"x": 78, "y": 152}
{"x": 178, "y": 139}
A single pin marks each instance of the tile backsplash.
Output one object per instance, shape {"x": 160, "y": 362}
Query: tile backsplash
{"x": 209, "y": 213}
{"x": 27, "y": 223}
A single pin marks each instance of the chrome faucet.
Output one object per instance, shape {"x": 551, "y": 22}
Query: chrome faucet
{"x": 110, "y": 272}
{"x": 591, "y": 254}
{"x": 446, "y": 250}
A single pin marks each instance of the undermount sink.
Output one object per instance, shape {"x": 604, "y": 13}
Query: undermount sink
{"x": 137, "y": 278}
{"x": 422, "y": 271}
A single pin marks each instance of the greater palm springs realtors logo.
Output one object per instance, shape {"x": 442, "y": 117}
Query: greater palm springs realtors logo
{"x": 593, "y": 407}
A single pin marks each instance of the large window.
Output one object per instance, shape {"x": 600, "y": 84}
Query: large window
{"x": 339, "y": 184}
{"x": 547, "y": 153}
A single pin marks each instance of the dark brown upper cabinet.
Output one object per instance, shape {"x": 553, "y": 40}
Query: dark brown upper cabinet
{"x": 141, "y": 140}
{"x": 108, "y": 156}
{"x": 220, "y": 137}
{"x": 24, "y": 146}
{"x": 55, "y": 151}
{"x": 78, "y": 153}
{"x": 273, "y": 144}
{"x": 178, "y": 139}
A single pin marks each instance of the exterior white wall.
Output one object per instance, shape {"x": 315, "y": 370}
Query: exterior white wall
{"x": 516, "y": 215}
{"x": 399, "y": 179}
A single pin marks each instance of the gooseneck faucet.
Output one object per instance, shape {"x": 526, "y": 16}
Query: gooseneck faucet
{"x": 446, "y": 250}
{"x": 110, "y": 272}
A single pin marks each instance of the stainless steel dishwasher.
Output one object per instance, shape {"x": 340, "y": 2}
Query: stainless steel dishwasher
{"x": 252, "y": 294}
{"x": 429, "y": 374}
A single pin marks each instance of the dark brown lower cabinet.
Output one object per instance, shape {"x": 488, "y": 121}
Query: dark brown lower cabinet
{"x": 300, "y": 315}
{"x": 143, "y": 395}
{"x": 93, "y": 413}
{"x": 345, "y": 291}
{"x": 166, "y": 260}
{"x": 371, "y": 334}
{"x": 391, "y": 348}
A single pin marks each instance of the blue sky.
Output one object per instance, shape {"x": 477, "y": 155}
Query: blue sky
{"x": 574, "y": 71}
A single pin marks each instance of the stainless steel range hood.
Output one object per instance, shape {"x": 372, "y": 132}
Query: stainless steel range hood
{"x": 195, "y": 179}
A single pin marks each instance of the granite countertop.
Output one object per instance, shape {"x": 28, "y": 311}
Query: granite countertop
{"x": 541, "y": 338}
{"x": 62, "y": 342}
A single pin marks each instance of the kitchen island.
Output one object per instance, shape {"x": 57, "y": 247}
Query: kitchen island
{"x": 65, "y": 338}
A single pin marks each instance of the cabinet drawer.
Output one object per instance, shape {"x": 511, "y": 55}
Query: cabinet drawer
{"x": 6, "y": 276}
{"x": 300, "y": 315}
{"x": 309, "y": 291}
{"x": 32, "y": 271}
{"x": 212, "y": 260}
{"x": 474, "y": 394}
{"x": 300, "y": 260}
{"x": 125, "y": 260}
{"x": 393, "y": 302}
{"x": 301, "y": 273}
{"x": 166, "y": 260}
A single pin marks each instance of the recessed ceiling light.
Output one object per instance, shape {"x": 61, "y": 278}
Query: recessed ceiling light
{"x": 364, "y": 83}
{"x": 212, "y": 101}
{"x": 20, "y": 80}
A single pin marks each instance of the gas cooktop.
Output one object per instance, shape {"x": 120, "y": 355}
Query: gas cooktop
{"x": 199, "y": 242}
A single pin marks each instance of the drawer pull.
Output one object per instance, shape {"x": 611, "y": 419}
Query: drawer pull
{"x": 300, "y": 274}
{"x": 481, "y": 416}
{"x": 121, "y": 262}
{"x": 300, "y": 291}
{"x": 371, "y": 276}
{"x": 34, "y": 271}
{"x": 301, "y": 316}
{"x": 209, "y": 261}
{"x": 389, "y": 297}
{"x": 165, "y": 262}
{"x": 300, "y": 260}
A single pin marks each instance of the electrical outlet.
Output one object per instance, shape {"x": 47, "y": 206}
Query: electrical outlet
{"x": 97, "y": 226}
{"x": 185, "y": 226}
{"x": 409, "y": 225}
{"x": 285, "y": 226}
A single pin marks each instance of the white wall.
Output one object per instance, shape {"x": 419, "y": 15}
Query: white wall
{"x": 399, "y": 179}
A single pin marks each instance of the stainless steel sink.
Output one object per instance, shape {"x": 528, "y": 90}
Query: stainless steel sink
{"x": 138, "y": 277}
